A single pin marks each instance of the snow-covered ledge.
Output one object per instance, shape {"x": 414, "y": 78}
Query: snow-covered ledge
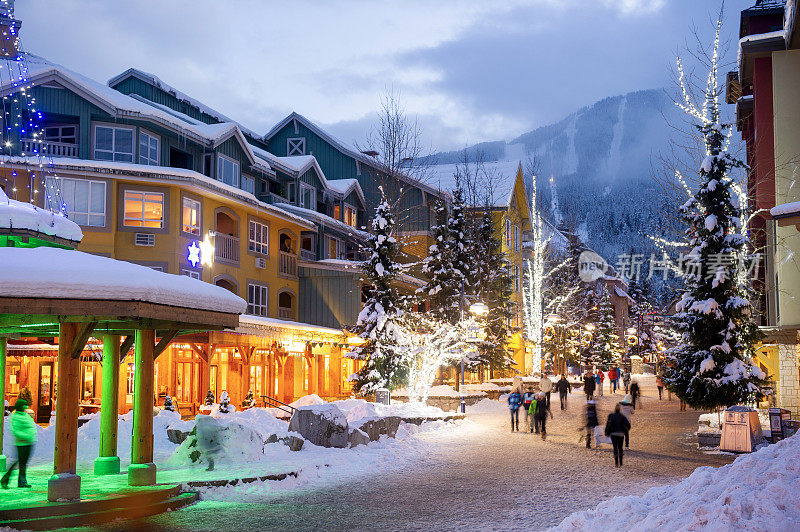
{"x": 19, "y": 215}
{"x": 787, "y": 214}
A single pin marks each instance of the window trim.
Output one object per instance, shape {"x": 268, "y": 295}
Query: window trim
{"x": 516, "y": 237}
{"x": 199, "y": 200}
{"x": 143, "y": 131}
{"x": 106, "y": 227}
{"x": 236, "y": 164}
{"x": 134, "y": 146}
{"x": 242, "y": 178}
{"x": 339, "y": 244}
{"x": 165, "y": 220}
{"x": 253, "y": 219}
{"x": 261, "y": 285}
{"x": 313, "y": 191}
{"x": 190, "y": 272}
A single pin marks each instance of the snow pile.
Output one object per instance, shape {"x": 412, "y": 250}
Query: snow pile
{"x": 487, "y": 406}
{"x": 485, "y": 387}
{"x": 359, "y": 411}
{"x": 441, "y": 390}
{"x": 328, "y": 411}
{"x": 756, "y": 492}
{"x": 21, "y": 215}
{"x": 61, "y": 273}
{"x": 308, "y": 400}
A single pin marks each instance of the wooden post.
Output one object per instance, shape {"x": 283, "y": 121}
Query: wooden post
{"x": 107, "y": 463}
{"x": 142, "y": 471}
{"x": 65, "y": 484}
{"x": 3, "y": 348}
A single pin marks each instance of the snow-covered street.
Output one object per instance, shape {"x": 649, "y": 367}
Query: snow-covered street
{"x": 471, "y": 474}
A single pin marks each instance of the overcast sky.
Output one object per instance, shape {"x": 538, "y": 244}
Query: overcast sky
{"x": 470, "y": 71}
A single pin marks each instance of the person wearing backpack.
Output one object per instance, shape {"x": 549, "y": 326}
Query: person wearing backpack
{"x": 514, "y": 402}
{"x": 616, "y": 428}
{"x": 542, "y": 411}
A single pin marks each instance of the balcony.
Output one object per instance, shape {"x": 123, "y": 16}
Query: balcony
{"x": 285, "y": 314}
{"x": 47, "y": 147}
{"x": 287, "y": 264}
{"x": 307, "y": 254}
{"x": 226, "y": 248}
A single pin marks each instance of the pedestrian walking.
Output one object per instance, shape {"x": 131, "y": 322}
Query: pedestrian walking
{"x": 598, "y": 380}
{"x": 660, "y": 386}
{"x": 626, "y": 380}
{"x": 24, "y": 430}
{"x": 619, "y": 375}
{"x": 683, "y": 405}
{"x": 626, "y": 407}
{"x": 527, "y": 397}
{"x": 617, "y": 426}
{"x": 542, "y": 411}
{"x": 546, "y": 386}
{"x": 208, "y": 438}
{"x": 588, "y": 385}
{"x": 514, "y": 402}
{"x": 635, "y": 392}
{"x": 591, "y": 422}
{"x": 612, "y": 379}
{"x": 563, "y": 387}
{"x": 533, "y": 420}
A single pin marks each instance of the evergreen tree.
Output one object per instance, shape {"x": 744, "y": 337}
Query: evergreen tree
{"x": 461, "y": 244}
{"x": 169, "y": 404}
{"x": 441, "y": 290}
{"x": 210, "y": 398}
{"x": 379, "y": 322}
{"x": 605, "y": 340}
{"x": 224, "y": 403}
{"x": 249, "y": 400}
{"x": 713, "y": 367}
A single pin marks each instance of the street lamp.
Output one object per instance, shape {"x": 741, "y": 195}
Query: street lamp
{"x": 479, "y": 308}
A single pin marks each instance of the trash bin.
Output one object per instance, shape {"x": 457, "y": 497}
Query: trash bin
{"x": 776, "y": 417}
{"x": 382, "y": 396}
{"x": 790, "y": 427}
{"x": 741, "y": 430}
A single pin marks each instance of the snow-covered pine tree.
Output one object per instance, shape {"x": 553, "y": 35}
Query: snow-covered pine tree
{"x": 380, "y": 321}
{"x": 210, "y": 398}
{"x": 460, "y": 246}
{"x": 249, "y": 400}
{"x": 169, "y": 404}
{"x": 441, "y": 291}
{"x": 713, "y": 367}
{"x": 224, "y": 403}
{"x": 605, "y": 340}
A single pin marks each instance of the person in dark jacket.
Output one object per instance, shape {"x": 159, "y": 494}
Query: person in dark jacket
{"x": 563, "y": 387}
{"x": 588, "y": 385}
{"x": 617, "y": 427}
{"x": 542, "y": 411}
{"x": 527, "y": 397}
{"x": 591, "y": 422}
{"x": 635, "y": 391}
{"x": 514, "y": 402}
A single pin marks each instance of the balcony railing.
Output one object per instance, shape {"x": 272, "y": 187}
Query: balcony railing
{"x": 226, "y": 248}
{"x": 308, "y": 255}
{"x": 285, "y": 313}
{"x": 47, "y": 147}
{"x": 287, "y": 264}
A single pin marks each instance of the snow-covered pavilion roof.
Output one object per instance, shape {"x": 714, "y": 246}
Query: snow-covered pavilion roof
{"x": 498, "y": 178}
{"x": 19, "y": 215}
{"x": 54, "y": 273}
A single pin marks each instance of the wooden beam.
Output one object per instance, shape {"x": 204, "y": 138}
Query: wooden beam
{"x": 127, "y": 343}
{"x": 199, "y": 351}
{"x": 164, "y": 342}
{"x": 81, "y": 337}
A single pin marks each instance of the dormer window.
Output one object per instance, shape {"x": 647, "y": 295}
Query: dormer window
{"x": 227, "y": 171}
{"x": 308, "y": 197}
{"x": 350, "y": 215}
{"x": 296, "y": 146}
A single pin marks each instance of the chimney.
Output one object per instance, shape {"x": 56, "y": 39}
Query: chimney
{"x": 9, "y": 30}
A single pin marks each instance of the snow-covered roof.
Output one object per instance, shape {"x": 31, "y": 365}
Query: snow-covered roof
{"x": 322, "y": 219}
{"x": 356, "y": 265}
{"x": 346, "y": 186}
{"x": 39, "y": 70}
{"x": 759, "y": 42}
{"x": 785, "y": 210}
{"x": 248, "y": 320}
{"x": 623, "y": 294}
{"x": 166, "y": 173}
{"x": 21, "y": 215}
{"x": 154, "y": 80}
{"x": 342, "y": 147}
{"x": 498, "y": 178}
{"x": 55, "y": 273}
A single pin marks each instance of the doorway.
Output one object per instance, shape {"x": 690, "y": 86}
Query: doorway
{"x": 45, "y": 406}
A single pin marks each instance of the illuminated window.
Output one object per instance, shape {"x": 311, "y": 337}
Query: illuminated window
{"x": 191, "y": 216}
{"x": 337, "y": 212}
{"x": 349, "y": 216}
{"x": 144, "y": 209}
{"x": 258, "y": 236}
{"x": 256, "y": 376}
{"x": 334, "y": 248}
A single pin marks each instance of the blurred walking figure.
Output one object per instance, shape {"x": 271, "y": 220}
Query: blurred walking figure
{"x": 546, "y": 386}
{"x": 534, "y": 421}
{"x": 208, "y": 438}
{"x": 612, "y": 379}
{"x": 635, "y": 391}
{"x": 598, "y": 380}
{"x": 24, "y": 430}
{"x": 591, "y": 423}
{"x": 626, "y": 380}
{"x": 514, "y": 402}
{"x": 626, "y": 407}
{"x": 563, "y": 387}
{"x": 660, "y": 386}
{"x": 588, "y": 385}
{"x": 527, "y": 398}
{"x": 542, "y": 411}
{"x": 617, "y": 427}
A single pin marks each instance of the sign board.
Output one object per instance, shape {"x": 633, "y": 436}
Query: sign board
{"x": 776, "y": 417}
{"x": 382, "y": 396}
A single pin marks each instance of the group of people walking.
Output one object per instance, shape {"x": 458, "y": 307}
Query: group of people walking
{"x": 536, "y": 406}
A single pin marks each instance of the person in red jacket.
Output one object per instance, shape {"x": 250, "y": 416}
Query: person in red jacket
{"x": 612, "y": 378}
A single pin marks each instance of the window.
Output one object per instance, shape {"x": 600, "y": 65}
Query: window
{"x": 308, "y": 197}
{"x": 190, "y": 216}
{"x": 194, "y": 274}
{"x": 144, "y": 209}
{"x": 60, "y": 133}
{"x": 337, "y": 212}
{"x": 296, "y": 146}
{"x": 256, "y": 299}
{"x": 358, "y": 167}
{"x": 334, "y": 247}
{"x": 516, "y": 238}
{"x": 113, "y": 144}
{"x": 248, "y": 184}
{"x": 508, "y": 234}
{"x": 208, "y": 164}
{"x": 148, "y": 149}
{"x": 258, "y": 237}
{"x": 290, "y": 188}
{"x": 86, "y": 200}
{"x": 350, "y": 215}
{"x": 227, "y": 171}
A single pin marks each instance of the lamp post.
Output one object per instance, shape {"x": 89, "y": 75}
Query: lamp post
{"x": 478, "y": 308}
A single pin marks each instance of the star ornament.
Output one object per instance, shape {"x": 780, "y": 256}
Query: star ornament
{"x": 194, "y": 254}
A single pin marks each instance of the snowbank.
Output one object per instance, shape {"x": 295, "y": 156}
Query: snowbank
{"x": 359, "y": 411}
{"x": 486, "y": 387}
{"x": 757, "y": 491}
{"x": 441, "y": 390}
{"x": 487, "y": 406}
